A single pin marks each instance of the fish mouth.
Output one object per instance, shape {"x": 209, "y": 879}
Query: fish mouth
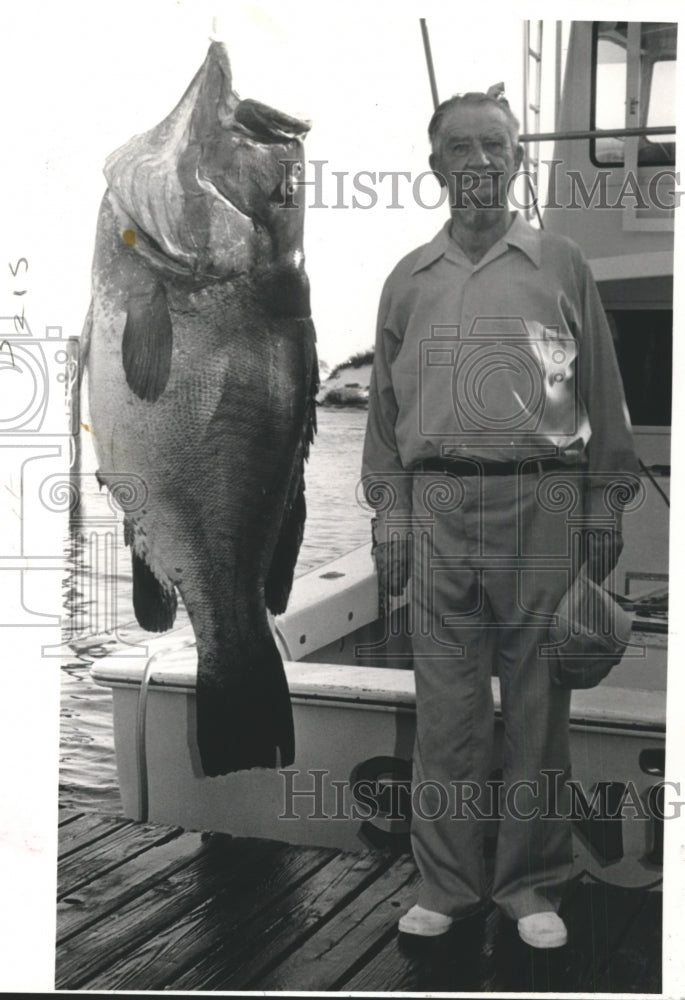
{"x": 277, "y": 196}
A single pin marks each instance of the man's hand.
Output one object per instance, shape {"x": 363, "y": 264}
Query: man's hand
{"x": 393, "y": 564}
{"x": 602, "y": 543}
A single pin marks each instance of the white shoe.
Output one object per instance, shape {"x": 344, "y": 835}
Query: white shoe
{"x": 543, "y": 930}
{"x": 425, "y": 923}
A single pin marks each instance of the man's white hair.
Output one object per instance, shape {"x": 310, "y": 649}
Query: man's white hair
{"x": 473, "y": 99}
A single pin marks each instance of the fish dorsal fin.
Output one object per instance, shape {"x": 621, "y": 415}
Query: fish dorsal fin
{"x": 147, "y": 342}
{"x": 279, "y": 580}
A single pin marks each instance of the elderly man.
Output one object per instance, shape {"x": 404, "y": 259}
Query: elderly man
{"x": 496, "y": 422}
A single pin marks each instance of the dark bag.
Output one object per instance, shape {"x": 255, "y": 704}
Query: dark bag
{"x": 591, "y": 635}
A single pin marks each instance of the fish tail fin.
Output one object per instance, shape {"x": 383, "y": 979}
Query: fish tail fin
{"x": 153, "y": 602}
{"x": 247, "y": 722}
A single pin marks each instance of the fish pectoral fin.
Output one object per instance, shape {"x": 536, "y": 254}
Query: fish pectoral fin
{"x": 147, "y": 342}
{"x": 154, "y": 602}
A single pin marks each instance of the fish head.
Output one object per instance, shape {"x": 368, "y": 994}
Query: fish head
{"x": 212, "y": 191}
{"x": 256, "y": 163}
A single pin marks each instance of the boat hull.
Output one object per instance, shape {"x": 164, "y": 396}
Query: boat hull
{"x": 349, "y": 786}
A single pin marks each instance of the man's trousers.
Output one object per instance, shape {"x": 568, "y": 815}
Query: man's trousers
{"x": 491, "y": 560}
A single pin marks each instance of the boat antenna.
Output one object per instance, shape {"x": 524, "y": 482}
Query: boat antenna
{"x": 429, "y": 61}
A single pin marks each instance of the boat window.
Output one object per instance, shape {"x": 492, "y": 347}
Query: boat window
{"x": 656, "y": 89}
{"x": 643, "y": 342}
{"x": 610, "y": 96}
{"x": 661, "y": 109}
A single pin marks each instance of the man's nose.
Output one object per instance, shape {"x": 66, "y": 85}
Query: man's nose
{"x": 477, "y": 155}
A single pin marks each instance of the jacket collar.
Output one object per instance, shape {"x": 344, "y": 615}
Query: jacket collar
{"x": 520, "y": 235}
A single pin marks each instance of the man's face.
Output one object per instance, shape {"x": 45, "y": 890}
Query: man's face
{"x": 475, "y": 157}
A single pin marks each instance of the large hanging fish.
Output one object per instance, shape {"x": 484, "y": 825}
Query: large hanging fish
{"x": 202, "y": 376}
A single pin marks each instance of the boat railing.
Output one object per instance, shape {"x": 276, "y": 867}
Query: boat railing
{"x": 597, "y": 133}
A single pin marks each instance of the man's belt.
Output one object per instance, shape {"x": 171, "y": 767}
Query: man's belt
{"x": 474, "y": 467}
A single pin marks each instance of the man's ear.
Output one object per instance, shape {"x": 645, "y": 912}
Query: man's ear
{"x": 432, "y": 160}
{"x": 518, "y": 156}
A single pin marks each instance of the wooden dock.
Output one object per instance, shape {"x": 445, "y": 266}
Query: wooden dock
{"x": 144, "y": 907}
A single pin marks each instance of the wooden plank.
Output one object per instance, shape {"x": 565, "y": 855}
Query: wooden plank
{"x": 87, "y": 829}
{"x": 67, "y": 816}
{"x": 597, "y": 923}
{"x": 531, "y": 970}
{"x": 258, "y": 937}
{"x": 597, "y": 917}
{"x": 109, "y": 891}
{"x": 210, "y": 930}
{"x": 350, "y": 938}
{"x": 217, "y": 868}
{"x": 506, "y": 964}
{"x": 397, "y": 972}
{"x": 460, "y": 961}
{"x": 631, "y": 964}
{"x": 515, "y": 966}
{"x": 107, "y": 852}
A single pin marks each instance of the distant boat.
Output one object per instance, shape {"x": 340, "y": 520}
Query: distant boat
{"x": 348, "y": 383}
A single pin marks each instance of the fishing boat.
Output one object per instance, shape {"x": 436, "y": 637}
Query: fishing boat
{"x": 605, "y": 177}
